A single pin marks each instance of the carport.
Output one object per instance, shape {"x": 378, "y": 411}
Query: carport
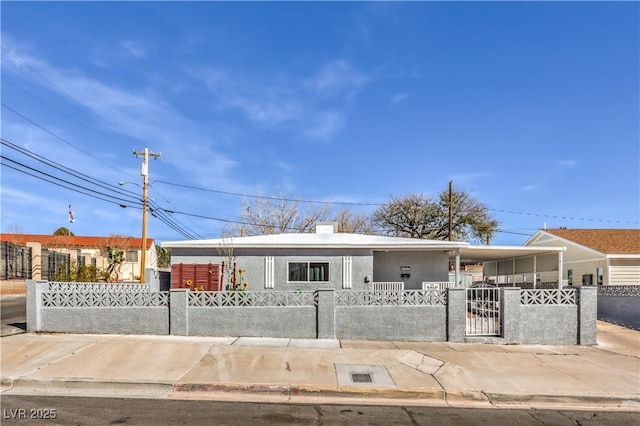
{"x": 513, "y": 265}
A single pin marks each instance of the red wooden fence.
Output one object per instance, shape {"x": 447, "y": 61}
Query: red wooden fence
{"x": 204, "y": 276}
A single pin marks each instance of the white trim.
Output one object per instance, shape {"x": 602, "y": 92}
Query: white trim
{"x": 347, "y": 269}
{"x": 269, "y": 280}
{"x": 562, "y": 240}
{"x": 623, "y": 256}
{"x": 571, "y": 262}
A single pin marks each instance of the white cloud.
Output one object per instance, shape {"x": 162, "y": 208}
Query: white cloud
{"x": 470, "y": 176}
{"x": 263, "y": 104}
{"x": 338, "y": 78}
{"x": 398, "y": 97}
{"x": 135, "y": 49}
{"x": 326, "y": 125}
{"x": 144, "y": 116}
{"x": 286, "y": 167}
{"x": 567, "y": 163}
{"x": 282, "y": 101}
{"x": 528, "y": 188}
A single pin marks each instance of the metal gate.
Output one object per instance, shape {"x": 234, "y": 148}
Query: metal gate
{"x": 483, "y": 312}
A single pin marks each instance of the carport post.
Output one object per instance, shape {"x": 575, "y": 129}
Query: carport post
{"x": 457, "y": 266}
{"x": 560, "y": 269}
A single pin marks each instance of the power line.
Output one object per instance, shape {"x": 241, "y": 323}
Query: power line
{"x": 67, "y": 187}
{"x": 87, "y": 191}
{"x": 91, "y": 193}
{"x": 62, "y": 180}
{"x": 272, "y": 198}
{"x": 265, "y": 197}
{"x": 66, "y": 169}
{"x": 60, "y": 138}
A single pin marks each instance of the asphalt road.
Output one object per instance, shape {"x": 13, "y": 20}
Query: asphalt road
{"x": 13, "y": 312}
{"x": 47, "y": 410}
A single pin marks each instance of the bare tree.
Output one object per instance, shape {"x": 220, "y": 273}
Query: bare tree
{"x": 417, "y": 216}
{"x": 14, "y": 229}
{"x": 355, "y": 223}
{"x": 276, "y": 215}
{"x": 228, "y": 281}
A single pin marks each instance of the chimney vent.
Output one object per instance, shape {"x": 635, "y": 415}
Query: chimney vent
{"x": 326, "y": 227}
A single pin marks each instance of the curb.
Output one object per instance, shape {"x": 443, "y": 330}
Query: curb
{"x": 312, "y": 391}
{"x": 162, "y": 390}
{"x": 84, "y": 385}
{"x": 567, "y": 400}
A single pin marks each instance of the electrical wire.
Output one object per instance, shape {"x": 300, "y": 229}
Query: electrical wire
{"x": 272, "y": 198}
{"x": 264, "y": 197}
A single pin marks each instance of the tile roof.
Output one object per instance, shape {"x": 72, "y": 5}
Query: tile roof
{"x": 608, "y": 241}
{"x": 70, "y": 241}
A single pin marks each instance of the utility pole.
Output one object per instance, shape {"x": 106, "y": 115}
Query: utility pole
{"x": 450, "y": 210}
{"x": 144, "y": 172}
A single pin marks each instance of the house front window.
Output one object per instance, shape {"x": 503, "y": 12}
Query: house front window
{"x": 132, "y": 255}
{"x": 570, "y": 276}
{"x": 308, "y": 271}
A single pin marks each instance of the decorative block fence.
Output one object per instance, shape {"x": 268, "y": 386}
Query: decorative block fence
{"x": 566, "y": 317}
{"x": 620, "y": 304}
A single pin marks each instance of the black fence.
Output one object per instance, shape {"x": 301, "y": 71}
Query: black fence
{"x": 55, "y": 264}
{"x": 15, "y": 261}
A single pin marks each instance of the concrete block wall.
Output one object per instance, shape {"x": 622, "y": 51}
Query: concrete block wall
{"x": 567, "y": 324}
{"x": 620, "y": 304}
{"x": 400, "y": 323}
{"x": 152, "y": 320}
{"x": 622, "y": 310}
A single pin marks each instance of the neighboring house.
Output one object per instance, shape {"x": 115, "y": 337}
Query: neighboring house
{"x": 328, "y": 259}
{"x": 88, "y": 250}
{"x": 595, "y": 256}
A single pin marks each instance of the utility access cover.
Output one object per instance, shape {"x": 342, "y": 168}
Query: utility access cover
{"x": 361, "y": 378}
{"x": 363, "y": 375}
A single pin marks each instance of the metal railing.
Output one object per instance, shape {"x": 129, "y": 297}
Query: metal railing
{"x": 388, "y": 285}
{"x": 483, "y": 312}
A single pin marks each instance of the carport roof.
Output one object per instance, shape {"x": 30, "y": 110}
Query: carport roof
{"x": 492, "y": 253}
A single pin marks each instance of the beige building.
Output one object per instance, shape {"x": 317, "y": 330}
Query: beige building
{"x": 595, "y": 256}
{"x": 89, "y": 250}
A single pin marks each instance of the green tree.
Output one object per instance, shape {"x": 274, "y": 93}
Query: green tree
{"x": 418, "y": 216}
{"x": 74, "y": 272}
{"x": 116, "y": 258}
{"x": 63, "y": 231}
{"x": 164, "y": 257}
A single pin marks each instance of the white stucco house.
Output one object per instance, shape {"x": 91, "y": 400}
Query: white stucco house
{"x": 328, "y": 259}
{"x": 595, "y": 256}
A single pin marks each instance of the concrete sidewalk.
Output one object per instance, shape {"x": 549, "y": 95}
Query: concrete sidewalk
{"x": 292, "y": 370}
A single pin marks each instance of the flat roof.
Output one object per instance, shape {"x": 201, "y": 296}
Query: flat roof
{"x": 468, "y": 252}
{"x": 322, "y": 240}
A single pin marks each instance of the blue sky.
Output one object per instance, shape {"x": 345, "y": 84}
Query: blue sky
{"x": 532, "y": 108}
